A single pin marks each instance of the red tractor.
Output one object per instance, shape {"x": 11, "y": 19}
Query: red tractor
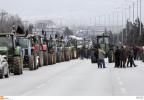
{"x": 41, "y": 48}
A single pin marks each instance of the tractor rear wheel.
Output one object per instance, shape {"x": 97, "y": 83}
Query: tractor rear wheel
{"x": 1, "y": 75}
{"x": 7, "y": 75}
{"x": 18, "y": 66}
{"x": 45, "y": 58}
{"x": 31, "y": 63}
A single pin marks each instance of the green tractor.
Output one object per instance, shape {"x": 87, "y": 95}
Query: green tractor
{"x": 14, "y": 55}
{"x": 51, "y": 45}
{"x": 60, "y": 50}
{"x": 30, "y": 58}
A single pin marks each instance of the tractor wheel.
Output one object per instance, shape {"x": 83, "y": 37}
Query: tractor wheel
{"x": 1, "y": 75}
{"x": 7, "y": 75}
{"x": 54, "y": 60}
{"x": 31, "y": 63}
{"x": 41, "y": 59}
{"x": 18, "y": 66}
{"x": 62, "y": 57}
{"x": 35, "y": 61}
{"x": 49, "y": 59}
{"x": 45, "y": 58}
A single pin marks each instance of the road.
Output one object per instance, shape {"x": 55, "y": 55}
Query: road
{"x": 76, "y": 78}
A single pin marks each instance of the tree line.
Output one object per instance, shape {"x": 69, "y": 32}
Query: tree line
{"x": 131, "y": 34}
{"x": 7, "y": 20}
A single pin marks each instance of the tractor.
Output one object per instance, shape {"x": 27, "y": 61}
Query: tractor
{"x": 29, "y": 52}
{"x": 51, "y": 44}
{"x": 59, "y": 49}
{"x": 41, "y": 46}
{"x": 14, "y": 55}
{"x": 44, "y": 49}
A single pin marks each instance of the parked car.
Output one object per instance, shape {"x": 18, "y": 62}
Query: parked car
{"x": 4, "y": 70}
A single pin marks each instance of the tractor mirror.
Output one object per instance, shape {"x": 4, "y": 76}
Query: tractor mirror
{"x": 4, "y": 57}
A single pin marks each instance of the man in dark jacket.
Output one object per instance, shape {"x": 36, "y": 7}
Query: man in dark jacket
{"x": 117, "y": 57}
{"x": 131, "y": 58}
{"x": 123, "y": 57}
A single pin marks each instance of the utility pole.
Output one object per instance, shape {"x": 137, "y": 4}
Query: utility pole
{"x": 133, "y": 12}
{"x": 140, "y": 19}
{"x": 117, "y": 27}
{"x": 122, "y": 27}
{"x": 109, "y": 22}
{"x": 99, "y": 20}
{"x": 137, "y": 8}
{"x": 113, "y": 28}
{"x": 126, "y": 24}
{"x": 105, "y": 21}
{"x": 129, "y": 12}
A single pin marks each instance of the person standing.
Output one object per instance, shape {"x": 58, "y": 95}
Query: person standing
{"x": 117, "y": 57}
{"x": 131, "y": 58}
{"x": 110, "y": 55}
{"x": 123, "y": 57}
{"x": 82, "y": 52}
{"x": 101, "y": 56}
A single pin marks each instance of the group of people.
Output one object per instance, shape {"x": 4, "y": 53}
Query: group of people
{"x": 124, "y": 57}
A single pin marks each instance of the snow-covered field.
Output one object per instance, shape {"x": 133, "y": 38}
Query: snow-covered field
{"x": 76, "y": 78}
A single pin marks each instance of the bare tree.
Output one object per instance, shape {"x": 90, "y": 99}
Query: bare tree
{"x": 7, "y": 21}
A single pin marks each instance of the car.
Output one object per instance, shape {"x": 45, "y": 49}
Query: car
{"x": 4, "y": 68}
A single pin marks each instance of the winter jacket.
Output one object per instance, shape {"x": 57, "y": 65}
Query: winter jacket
{"x": 117, "y": 54}
{"x": 123, "y": 54}
{"x": 101, "y": 54}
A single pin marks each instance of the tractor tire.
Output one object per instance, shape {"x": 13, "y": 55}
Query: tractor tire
{"x": 41, "y": 59}
{"x": 62, "y": 57}
{"x": 49, "y": 59}
{"x": 45, "y": 58}
{"x": 31, "y": 63}
{"x": 18, "y": 66}
{"x": 7, "y": 75}
{"x": 58, "y": 59}
{"x": 1, "y": 75}
{"x": 54, "y": 59}
{"x": 35, "y": 61}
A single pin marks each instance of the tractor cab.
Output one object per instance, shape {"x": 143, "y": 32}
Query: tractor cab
{"x": 14, "y": 54}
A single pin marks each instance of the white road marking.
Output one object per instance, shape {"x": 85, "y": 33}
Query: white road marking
{"x": 40, "y": 86}
{"x": 27, "y": 93}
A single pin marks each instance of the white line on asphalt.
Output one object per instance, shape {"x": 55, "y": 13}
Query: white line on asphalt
{"x": 27, "y": 93}
{"x": 123, "y": 90}
{"x": 40, "y": 86}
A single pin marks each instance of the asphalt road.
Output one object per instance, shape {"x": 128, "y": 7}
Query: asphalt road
{"x": 76, "y": 78}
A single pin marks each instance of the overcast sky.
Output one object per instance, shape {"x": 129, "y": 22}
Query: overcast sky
{"x": 70, "y": 11}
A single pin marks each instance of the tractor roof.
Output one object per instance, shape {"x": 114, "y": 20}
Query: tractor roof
{"x": 3, "y": 34}
{"x": 21, "y": 35}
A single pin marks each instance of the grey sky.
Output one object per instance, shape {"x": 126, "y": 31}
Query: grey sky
{"x": 71, "y": 11}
